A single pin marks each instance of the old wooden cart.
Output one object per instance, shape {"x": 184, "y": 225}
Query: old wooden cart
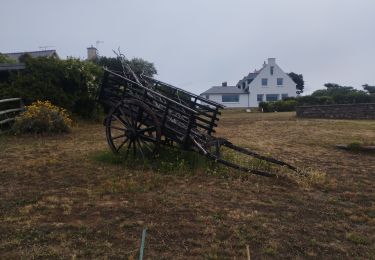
{"x": 144, "y": 113}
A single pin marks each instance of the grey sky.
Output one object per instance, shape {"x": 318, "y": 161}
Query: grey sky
{"x": 200, "y": 43}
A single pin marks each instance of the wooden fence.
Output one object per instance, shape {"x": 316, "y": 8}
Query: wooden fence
{"x": 9, "y": 109}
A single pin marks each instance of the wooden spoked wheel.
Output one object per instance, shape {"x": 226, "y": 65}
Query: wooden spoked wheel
{"x": 133, "y": 128}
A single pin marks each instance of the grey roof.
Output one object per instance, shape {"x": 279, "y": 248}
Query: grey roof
{"x": 34, "y": 54}
{"x": 252, "y": 75}
{"x": 11, "y": 66}
{"x": 224, "y": 90}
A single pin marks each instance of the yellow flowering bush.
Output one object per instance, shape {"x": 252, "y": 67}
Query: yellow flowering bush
{"x": 42, "y": 117}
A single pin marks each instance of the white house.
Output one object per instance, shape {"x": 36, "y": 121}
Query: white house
{"x": 270, "y": 83}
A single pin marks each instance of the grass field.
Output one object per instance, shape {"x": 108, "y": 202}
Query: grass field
{"x": 63, "y": 197}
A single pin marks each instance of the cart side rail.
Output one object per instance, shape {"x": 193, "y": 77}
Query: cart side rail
{"x": 145, "y": 89}
{"x": 200, "y": 98}
{"x": 174, "y": 117}
{"x": 208, "y": 111}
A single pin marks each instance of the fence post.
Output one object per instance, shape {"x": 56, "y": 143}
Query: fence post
{"x": 8, "y": 115}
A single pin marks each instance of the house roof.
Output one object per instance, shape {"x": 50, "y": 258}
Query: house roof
{"x": 224, "y": 90}
{"x": 251, "y": 76}
{"x": 34, "y": 54}
{"x": 11, "y": 66}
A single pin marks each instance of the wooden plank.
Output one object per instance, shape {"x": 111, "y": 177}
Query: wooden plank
{"x": 9, "y": 100}
{"x": 184, "y": 91}
{"x": 153, "y": 92}
{"x": 10, "y": 111}
{"x": 7, "y": 120}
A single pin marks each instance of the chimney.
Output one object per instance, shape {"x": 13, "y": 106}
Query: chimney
{"x": 224, "y": 84}
{"x": 271, "y": 61}
{"x": 92, "y": 53}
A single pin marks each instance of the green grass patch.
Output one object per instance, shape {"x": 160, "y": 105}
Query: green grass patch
{"x": 359, "y": 147}
{"x": 357, "y": 239}
{"x": 169, "y": 160}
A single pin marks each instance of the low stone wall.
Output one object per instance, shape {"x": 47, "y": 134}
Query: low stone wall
{"x": 342, "y": 111}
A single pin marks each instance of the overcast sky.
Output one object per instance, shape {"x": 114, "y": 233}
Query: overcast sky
{"x": 200, "y": 43}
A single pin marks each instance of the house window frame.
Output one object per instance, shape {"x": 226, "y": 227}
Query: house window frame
{"x": 233, "y": 98}
{"x": 281, "y": 81}
{"x": 268, "y": 99}
{"x": 284, "y": 96}
{"x": 264, "y": 82}
{"x": 260, "y": 97}
{"x": 272, "y": 69}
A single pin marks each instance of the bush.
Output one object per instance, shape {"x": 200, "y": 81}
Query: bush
{"x": 315, "y": 100}
{"x": 42, "y": 117}
{"x": 336, "y": 94}
{"x": 279, "y": 106}
{"x": 71, "y": 84}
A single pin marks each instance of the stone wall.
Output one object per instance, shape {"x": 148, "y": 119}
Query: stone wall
{"x": 342, "y": 111}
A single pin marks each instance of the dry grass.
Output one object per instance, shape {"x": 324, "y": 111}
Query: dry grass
{"x": 58, "y": 201}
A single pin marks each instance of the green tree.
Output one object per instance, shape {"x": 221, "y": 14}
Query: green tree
{"x": 5, "y": 59}
{"x": 369, "y": 89}
{"x": 24, "y": 57}
{"x": 138, "y": 65}
{"x": 338, "y": 94}
{"x": 298, "y": 79}
{"x": 71, "y": 84}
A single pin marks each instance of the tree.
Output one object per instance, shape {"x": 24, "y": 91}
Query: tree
{"x": 340, "y": 94}
{"x": 298, "y": 79}
{"x": 138, "y": 65}
{"x": 71, "y": 84}
{"x": 369, "y": 89}
{"x": 5, "y": 59}
{"x": 332, "y": 86}
{"x": 24, "y": 57}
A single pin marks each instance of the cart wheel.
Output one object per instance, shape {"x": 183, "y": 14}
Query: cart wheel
{"x": 132, "y": 126}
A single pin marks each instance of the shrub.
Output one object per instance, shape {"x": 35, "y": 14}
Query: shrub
{"x": 279, "y": 106}
{"x": 264, "y": 106}
{"x": 42, "y": 117}
{"x": 71, "y": 84}
{"x": 336, "y": 94}
{"x": 315, "y": 100}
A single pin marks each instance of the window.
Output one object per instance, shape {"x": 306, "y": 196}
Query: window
{"x": 230, "y": 98}
{"x": 271, "y": 70}
{"x": 280, "y": 81}
{"x": 284, "y": 96}
{"x": 260, "y": 97}
{"x": 264, "y": 82}
{"x": 272, "y": 97}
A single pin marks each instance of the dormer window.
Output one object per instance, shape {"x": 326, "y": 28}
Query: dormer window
{"x": 271, "y": 70}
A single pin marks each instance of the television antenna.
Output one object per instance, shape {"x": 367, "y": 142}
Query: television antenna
{"x": 46, "y": 47}
{"x": 97, "y": 43}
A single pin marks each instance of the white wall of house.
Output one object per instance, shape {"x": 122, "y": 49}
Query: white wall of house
{"x": 278, "y": 86}
{"x": 243, "y": 100}
{"x": 287, "y": 87}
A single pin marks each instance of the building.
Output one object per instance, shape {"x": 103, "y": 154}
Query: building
{"x": 92, "y": 53}
{"x": 35, "y": 54}
{"x": 270, "y": 83}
